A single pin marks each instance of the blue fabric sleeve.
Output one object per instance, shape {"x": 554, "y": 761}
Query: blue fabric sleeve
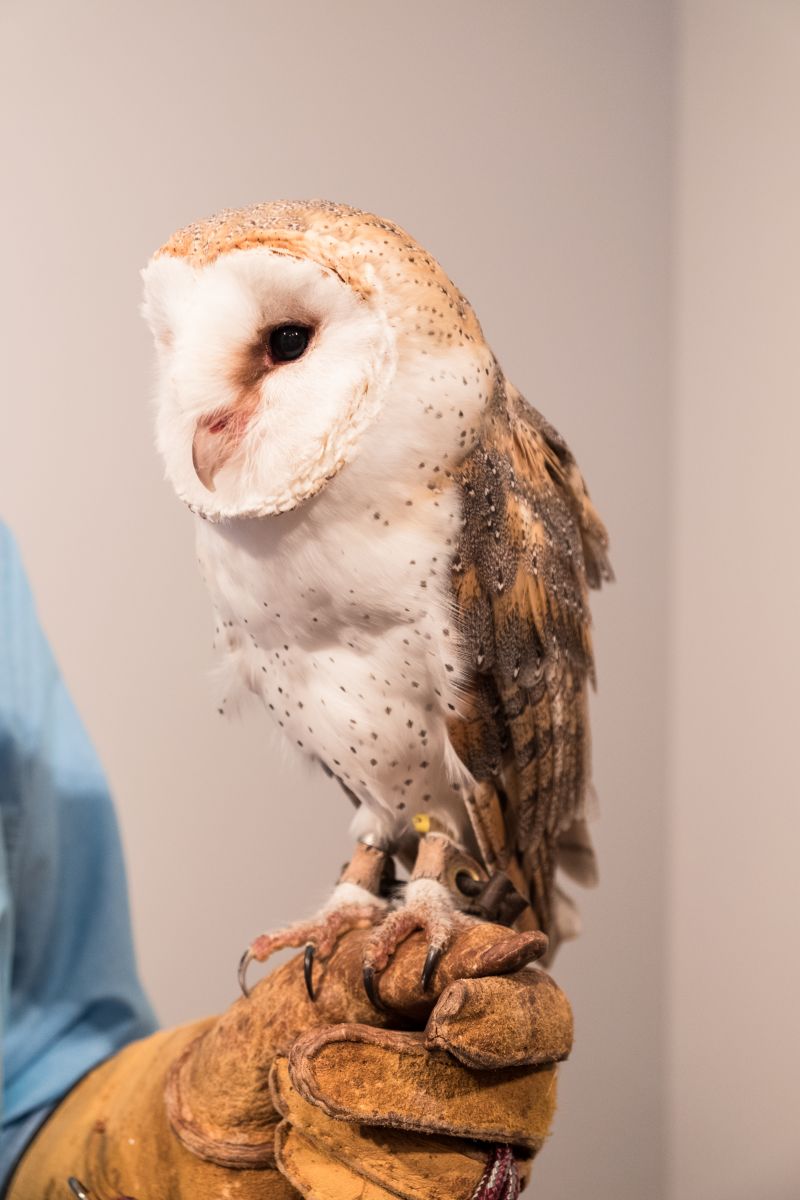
{"x": 69, "y": 991}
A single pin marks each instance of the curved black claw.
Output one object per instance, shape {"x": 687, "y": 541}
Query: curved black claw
{"x": 308, "y": 970}
{"x": 244, "y": 963}
{"x": 77, "y": 1188}
{"x": 371, "y": 989}
{"x": 431, "y": 963}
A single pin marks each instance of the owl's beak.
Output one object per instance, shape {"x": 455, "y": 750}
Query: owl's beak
{"x": 216, "y": 439}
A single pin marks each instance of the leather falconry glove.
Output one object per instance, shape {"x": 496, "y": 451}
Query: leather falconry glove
{"x": 444, "y": 1093}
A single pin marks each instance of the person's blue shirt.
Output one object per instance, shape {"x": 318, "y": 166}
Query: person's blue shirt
{"x": 70, "y": 995}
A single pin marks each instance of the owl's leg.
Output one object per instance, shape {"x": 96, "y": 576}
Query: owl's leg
{"x": 356, "y": 903}
{"x": 442, "y": 882}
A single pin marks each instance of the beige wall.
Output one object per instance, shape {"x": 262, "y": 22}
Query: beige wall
{"x": 735, "y": 892}
{"x": 530, "y": 146}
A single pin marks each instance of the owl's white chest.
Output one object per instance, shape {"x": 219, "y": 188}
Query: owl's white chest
{"x": 338, "y": 617}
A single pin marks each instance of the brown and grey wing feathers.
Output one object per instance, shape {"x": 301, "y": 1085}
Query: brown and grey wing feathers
{"x": 531, "y": 546}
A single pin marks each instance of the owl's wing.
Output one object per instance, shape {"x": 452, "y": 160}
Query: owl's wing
{"x": 531, "y": 545}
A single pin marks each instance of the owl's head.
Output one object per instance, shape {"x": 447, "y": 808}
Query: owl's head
{"x": 279, "y": 332}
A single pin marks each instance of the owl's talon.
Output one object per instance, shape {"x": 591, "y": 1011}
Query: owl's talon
{"x": 308, "y": 969}
{"x": 244, "y": 963}
{"x": 370, "y": 987}
{"x": 431, "y": 963}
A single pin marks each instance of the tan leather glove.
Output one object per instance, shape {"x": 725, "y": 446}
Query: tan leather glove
{"x": 405, "y": 1102}
{"x": 416, "y": 1115}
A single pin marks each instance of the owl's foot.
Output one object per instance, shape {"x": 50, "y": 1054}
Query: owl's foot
{"x": 319, "y": 935}
{"x": 428, "y": 906}
{"x": 355, "y": 904}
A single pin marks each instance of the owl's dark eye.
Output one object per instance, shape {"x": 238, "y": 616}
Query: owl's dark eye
{"x": 288, "y": 342}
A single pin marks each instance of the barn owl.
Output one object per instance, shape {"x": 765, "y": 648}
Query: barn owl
{"x": 398, "y": 550}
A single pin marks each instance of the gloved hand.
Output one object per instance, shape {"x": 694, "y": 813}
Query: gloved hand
{"x": 408, "y": 1101}
{"x": 405, "y": 1111}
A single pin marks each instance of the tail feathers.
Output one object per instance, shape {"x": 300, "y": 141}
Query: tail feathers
{"x": 555, "y": 911}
